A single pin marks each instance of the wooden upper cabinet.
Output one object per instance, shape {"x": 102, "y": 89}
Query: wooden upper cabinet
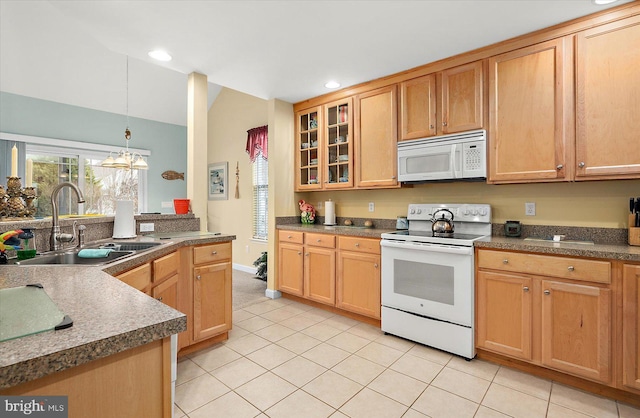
{"x": 338, "y": 148}
{"x": 308, "y": 149}
{"x": 376, "y": 139}
{"x": 418, "y": 107}
{"x": 608, "y": 101}
{"x": 457, "y": 107}
{"x": 530, "y": 113}
{"x": 462, "y": 99}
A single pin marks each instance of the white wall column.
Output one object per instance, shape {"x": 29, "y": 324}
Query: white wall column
{"x": 197, "y": 146}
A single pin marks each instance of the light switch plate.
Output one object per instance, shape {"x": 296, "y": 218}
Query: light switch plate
{"x": 147, "y": 227}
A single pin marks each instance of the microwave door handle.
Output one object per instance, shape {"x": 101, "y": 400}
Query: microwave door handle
{"x": 456, "y": 170}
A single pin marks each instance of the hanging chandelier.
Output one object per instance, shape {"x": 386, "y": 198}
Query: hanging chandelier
{"x": 124, "y": 158}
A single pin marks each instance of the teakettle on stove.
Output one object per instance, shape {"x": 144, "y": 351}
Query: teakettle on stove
{"x": 442, "y": 227}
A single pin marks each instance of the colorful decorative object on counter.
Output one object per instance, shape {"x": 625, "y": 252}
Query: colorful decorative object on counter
{"x": 308, "y": 215}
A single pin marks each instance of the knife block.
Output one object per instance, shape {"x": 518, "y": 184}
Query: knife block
{"x": 634, "y": 232}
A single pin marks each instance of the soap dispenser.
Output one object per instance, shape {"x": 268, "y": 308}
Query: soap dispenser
{"x": 28, "y": 245}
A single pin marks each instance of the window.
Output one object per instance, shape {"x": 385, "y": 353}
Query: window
{"x": 100, "y": 186}
{"x": 260, "y": 198}
{"x": 58, "y": 161}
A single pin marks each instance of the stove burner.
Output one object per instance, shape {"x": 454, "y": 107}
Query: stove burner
{"x": 443, "y": 234}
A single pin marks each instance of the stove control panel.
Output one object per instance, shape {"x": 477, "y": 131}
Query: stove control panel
{"x": 471, "y": 212}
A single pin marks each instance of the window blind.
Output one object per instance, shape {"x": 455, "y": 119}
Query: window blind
{"x": 260, "y": 198}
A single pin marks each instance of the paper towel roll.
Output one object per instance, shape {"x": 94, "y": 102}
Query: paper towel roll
{"x": 124, "y": 224}
{"x": 329, "y": 213}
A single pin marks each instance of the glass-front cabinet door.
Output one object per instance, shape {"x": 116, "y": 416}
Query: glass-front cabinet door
{"x": 309, "y": 158}
{"x": 338, "y": 147}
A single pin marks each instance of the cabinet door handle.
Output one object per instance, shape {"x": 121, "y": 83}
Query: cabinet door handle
{"x": 559, "y": 167}
{"x": 505, "y": 261}
{"x": 431, "y": 127}
{"x": 160, "y": 298}
{"x": 526, "y": 288}
{"x": 306, "y": 254}
{"x": 198, "y": 277}
{"x": 299, "y": 253}
{"x": 571, "y": 268}
{"x": 547, "y": 292}
{"x": 214, "y": 252}
{"x": 393, "y": 177}
{"x": 375, "y": 265}
{"x": 444, "y": 123}
{"x": 581, "y": 165}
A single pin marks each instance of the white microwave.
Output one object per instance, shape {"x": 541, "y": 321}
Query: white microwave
{"x": 448, "y": 157}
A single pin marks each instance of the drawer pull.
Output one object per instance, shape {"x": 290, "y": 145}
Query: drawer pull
{"x": 526, "y": 288}
{"x": 289, "y": 236}
{"x": 198, "y": 277}
{"x": 214, "y": 252}
{"x": 505, "y": 261}
{"x": 357, "y": 244}
{"x": 160, "y": 298}
{"x": 319, "y": 240}
{"x": 547, "y": 292}
{"x": 571, "y": 268}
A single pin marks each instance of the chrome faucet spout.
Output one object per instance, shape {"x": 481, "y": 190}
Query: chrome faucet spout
{"x": 56, "y": 236}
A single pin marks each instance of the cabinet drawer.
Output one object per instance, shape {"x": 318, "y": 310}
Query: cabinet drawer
{"x": 365, "y": 245}
{"x": 291, "y": 236}
{"x": 544, "y": 265}
{"x": 212, "y": 253}
{"x": 138, "y": 278}
{"x": 321, "y": 240}
{"x": 166, "y": 266}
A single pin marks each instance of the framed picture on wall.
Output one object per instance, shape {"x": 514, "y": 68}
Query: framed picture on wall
{"x": 218, "y": 181}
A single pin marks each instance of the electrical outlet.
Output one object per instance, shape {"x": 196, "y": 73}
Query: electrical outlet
{"x": 319, "y": 205}
{"x": 372, "y": 206}
{"x": 146, "y": 227}
{"x": 167, "y": 204}
{"x": 530, "y": 209}
{"x": 246, "y": 249}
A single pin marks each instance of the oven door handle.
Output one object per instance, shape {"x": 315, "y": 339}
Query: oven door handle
{"x": 422, "y": 246}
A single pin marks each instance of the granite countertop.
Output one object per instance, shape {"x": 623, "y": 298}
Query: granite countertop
{"x": 354, "y": 231}
{"x": 605, "y": 251}
{"x": 108, "y": 315}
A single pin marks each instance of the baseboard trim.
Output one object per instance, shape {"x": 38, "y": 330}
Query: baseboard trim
{"x": 272, "y": 294}
{"x": 246, "y": 269}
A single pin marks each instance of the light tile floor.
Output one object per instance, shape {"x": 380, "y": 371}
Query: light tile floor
{"x": 286, "y": 359}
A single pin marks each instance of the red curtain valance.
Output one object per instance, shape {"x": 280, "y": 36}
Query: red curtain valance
{"x": 257, "y": 142}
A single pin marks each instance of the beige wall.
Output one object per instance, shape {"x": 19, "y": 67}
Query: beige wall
{"x": 595, "y": 203}
{"x": 230, "y": 117}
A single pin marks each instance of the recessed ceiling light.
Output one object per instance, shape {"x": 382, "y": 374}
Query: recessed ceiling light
{"x": 600, "y": 2}
{"x": 160, "y": 55}
{"x": 332, "y": 84}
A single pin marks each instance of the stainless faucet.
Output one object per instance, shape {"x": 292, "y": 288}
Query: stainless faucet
{"x": 56, "y": 236}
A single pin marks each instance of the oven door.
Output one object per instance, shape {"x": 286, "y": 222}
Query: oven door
{"x": 431, "y": 280}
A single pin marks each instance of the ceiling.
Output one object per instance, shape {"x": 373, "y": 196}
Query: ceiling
{"x": 74, "y": 52}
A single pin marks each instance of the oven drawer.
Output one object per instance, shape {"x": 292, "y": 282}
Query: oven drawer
{"x": 291, "y": 236}
{"x": 365, "y": 245}
{"x": 544, "y": 265}
{"x": 320, "y": 240}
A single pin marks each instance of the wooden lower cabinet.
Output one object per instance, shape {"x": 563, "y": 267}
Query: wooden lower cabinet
{"x": 320, "y": 274}
{"x": 291, "y": 268}
{"x": 347, "y": 278}
{"x": 211, "y": 300}
{"x": 359, "y": 283}
{"x": 631, "y": 326}
{"x": 167, "y": 291}
{"x": 557, "y": 323}
{"x": 138, "y": 277}
{"x": 504, "y": 313}
{"x": 576, "y": 329}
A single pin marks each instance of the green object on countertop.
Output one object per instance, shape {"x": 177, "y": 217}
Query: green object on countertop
{"x": 25, "y": 254}
{"x": 94, "y": 253}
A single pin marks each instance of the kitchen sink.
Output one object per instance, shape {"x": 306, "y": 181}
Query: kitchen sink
{"x": 131, "y": 246}
{"x": 71, "y": 258}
